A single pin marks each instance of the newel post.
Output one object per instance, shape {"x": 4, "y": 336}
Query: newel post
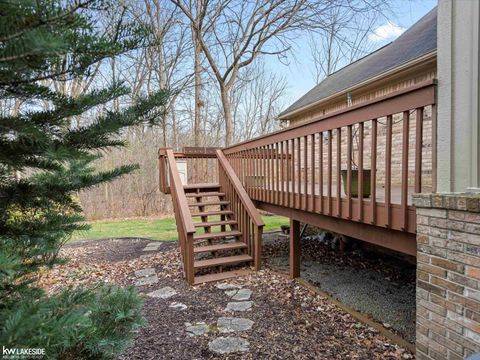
{"x": 294, "y": 249}
{"x": 258, "y": 248}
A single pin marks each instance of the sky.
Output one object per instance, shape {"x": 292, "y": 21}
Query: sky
{"x": 299, "y": 74}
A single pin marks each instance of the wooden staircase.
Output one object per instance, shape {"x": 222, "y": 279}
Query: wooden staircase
{"x": 220, "y": 249}
{"x": 219, "y": 228}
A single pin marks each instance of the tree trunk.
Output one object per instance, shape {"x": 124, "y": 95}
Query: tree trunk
{"x": 228, "y": 116}
{"x": 198, "y": 79}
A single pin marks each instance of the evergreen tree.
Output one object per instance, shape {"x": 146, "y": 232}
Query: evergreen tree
{"x": 45, "y": 161}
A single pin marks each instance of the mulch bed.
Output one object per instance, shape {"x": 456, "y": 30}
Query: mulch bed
{"x": 291, "y": 322}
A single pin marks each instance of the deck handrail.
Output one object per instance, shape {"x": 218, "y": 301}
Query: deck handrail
{"x": 249, "y": 221}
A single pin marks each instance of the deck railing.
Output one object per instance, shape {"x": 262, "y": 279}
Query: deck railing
{"x": 383, "y": 150}
{"x": 185, "y": 227}
{"x": 198, "y": 165}
{"x": 249, "y": 220}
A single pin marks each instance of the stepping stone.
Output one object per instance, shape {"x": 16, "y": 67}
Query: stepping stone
{"x": 239, "y": 306}
{"x": 226, "y": 286}
{"x": 177, "y": 305}
{"x": 240, "y": 294}
{"x": 163, "y": 293}
{"x": 149, "y": 280}
{"x": 231, "y": 324}
{"x": 145, "y": 272}
{"x": 152, "y": 246}
{"x": 227, "y": 345}
{"x": 196, "y": 328}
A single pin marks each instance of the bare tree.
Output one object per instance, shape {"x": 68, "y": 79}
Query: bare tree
{"x": 343, "y": 40}
{"x": 197, "y": 49}
{"x": 258, "y": 96}
{"x": 232, "y": 34}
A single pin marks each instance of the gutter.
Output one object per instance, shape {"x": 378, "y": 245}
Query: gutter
{"x": 417, "y": 61}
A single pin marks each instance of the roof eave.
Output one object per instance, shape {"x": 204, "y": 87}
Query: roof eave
{"x": 419, "y": 60}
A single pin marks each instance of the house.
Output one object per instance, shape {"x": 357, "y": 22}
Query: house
{"x": 385, "y": 150}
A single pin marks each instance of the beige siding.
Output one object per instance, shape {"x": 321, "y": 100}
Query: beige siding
{"x": 370, "y": 92}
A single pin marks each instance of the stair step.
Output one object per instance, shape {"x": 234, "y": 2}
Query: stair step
{"x": 213, "y": 213}
{"x": 205, "y": 194}
{"x": 227, "y": 260}
{"x": 210, "y": 203}
{"x": 215, "y": 223}
{"x": 201, "y": 186}
{"x": 218, "y": 247}
{"x": 217, "y": 235}
{"x": 221, "y": 276}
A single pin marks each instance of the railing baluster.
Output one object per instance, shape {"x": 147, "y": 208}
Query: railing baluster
{"x": 360, "y": 171}
{"x": 252, "y": 171}
{"x": 405, "y": 146}
{"x": 289, "y": 174}
{"x": 299, "y": 172}
{"x": 418, "y": 149}
{"x": 259, "y": 175}
{"x": 282, "y": 171}
{"x": 320, "y": 169}
{"x": 339, "y": 173}
{"x": 277, "y": 175}
{"x": 349, "y": 171}
{"x": 272, "y": 176}
{"x": 255, "y": 179}
{"x": 305, "y": 173}
{"x": 253, "y": 164}
{"x": 388, "y": 172}
{"x": 373, "y": 172}
{"x": 330, "y": 170}
{"x": 294, "y": 176}
{"x": 312, "y": 169}
{"x": 265, "y": 172}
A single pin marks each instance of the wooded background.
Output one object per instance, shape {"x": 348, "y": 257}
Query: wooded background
{"x": 211, "y": 55}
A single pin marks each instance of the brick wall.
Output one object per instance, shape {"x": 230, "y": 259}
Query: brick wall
{"x": 448, "y": 275}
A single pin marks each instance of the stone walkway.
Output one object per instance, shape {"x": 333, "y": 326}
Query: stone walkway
{"x": 235, "y": 326}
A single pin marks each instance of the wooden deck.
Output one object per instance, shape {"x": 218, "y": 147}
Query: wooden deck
{"x": 294, "y": 172}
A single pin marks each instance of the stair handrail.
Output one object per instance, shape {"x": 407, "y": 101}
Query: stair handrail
{"x": 242, "y": 193}
{"x": 250, "y": 222}
{"x": 183, "y": 218}
{"x": 176, "y": 183}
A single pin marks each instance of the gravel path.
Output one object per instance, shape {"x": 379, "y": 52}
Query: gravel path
{"x": 380, "y": 286}
{"x": 262, "y": 316}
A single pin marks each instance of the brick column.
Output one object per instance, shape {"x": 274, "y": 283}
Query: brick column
{"x": 448, "y": 275}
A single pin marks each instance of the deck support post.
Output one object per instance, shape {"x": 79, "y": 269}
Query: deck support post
{"x": 294, "y": 248}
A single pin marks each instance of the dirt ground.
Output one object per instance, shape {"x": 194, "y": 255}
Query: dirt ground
{"x": 289, "y": 321}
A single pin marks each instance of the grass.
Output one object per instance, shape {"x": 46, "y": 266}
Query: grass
{"x": 155, "y": 229}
